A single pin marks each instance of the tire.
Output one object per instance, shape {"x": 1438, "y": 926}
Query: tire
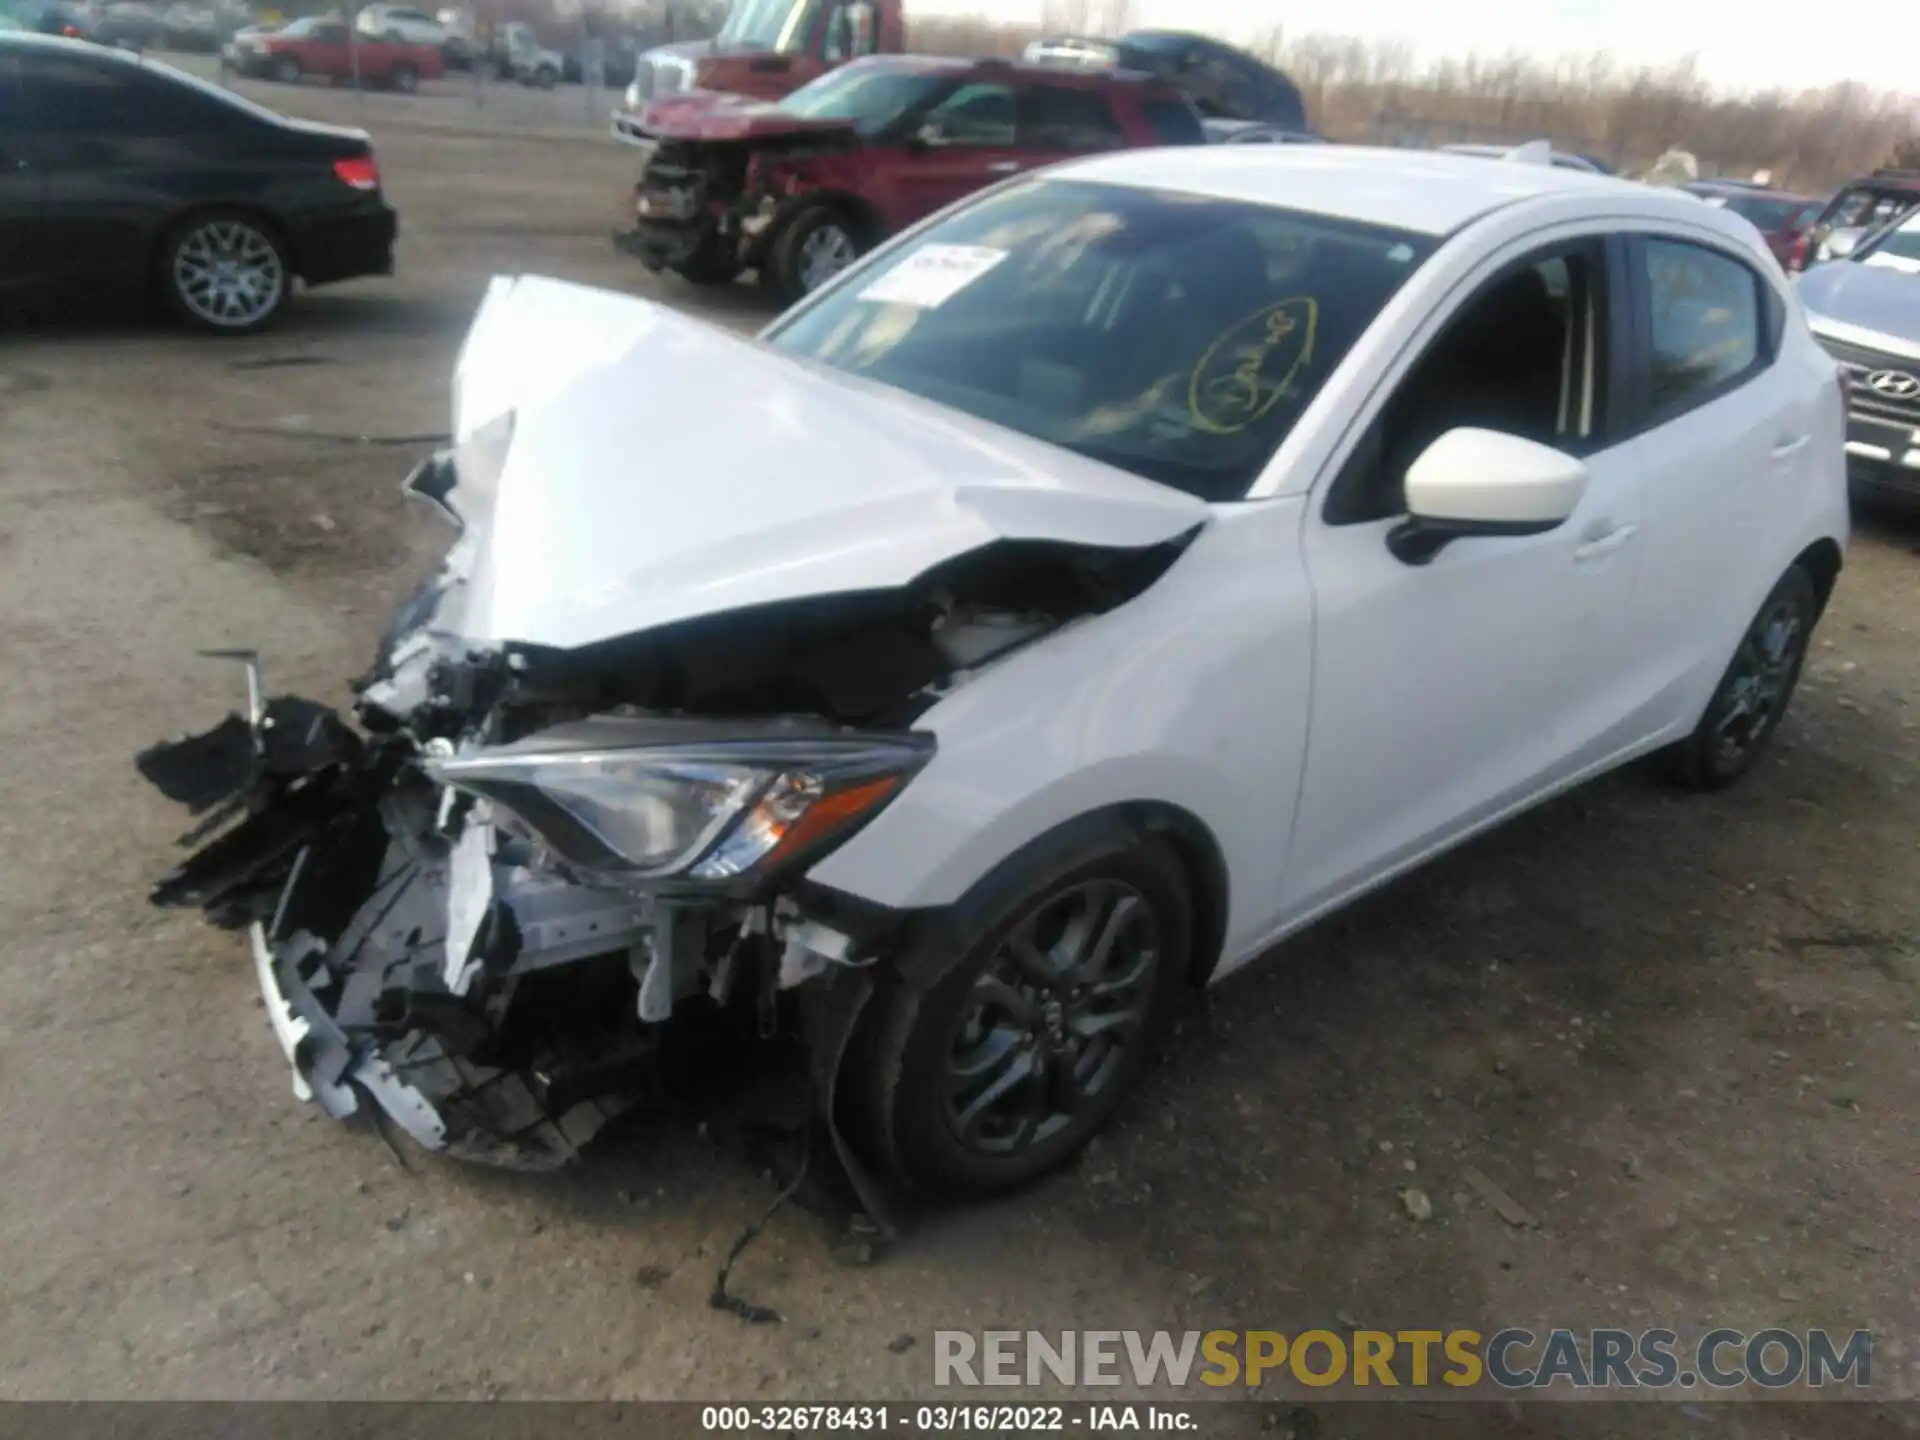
{"x": 810, "y": 249}
{"x": 544, "y": 78}
{"x": 945, "y": 1132}
{"x": 1753, "y": 693}
{"x": 286, "y": 69}
{"x": 224, "y": 271}
{"x": 403, "y": 79}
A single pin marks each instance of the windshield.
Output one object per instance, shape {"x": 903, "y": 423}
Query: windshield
{"x": 1896, "y": 248}
{"x": 782, "y": 25}
{"x": 872, "y": 96}
{"x": 305, "y": 25}
{"x": 1172, "y": 335}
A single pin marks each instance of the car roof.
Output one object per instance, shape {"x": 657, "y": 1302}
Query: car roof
{"x": 1497, "y": 152}
{"x": 1427, "y": 191}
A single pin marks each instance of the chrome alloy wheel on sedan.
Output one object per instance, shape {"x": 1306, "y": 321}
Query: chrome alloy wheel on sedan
{"x": 824, "y": 253}
{"x": 226, "y": 273}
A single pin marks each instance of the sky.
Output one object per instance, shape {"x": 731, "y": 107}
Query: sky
{"x": 1741, "y": 46}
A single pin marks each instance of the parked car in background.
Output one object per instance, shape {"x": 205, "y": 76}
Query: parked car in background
{"x": 1865, "y": 308}
{"x": 401, "y": 23}
{"x": 47, "y": 17}
{"x": 1781, "y": 217}
{"x": 313, "y": 48}
{"x": 1561, "y": 158}
{"x": 800, "y": 188}
{"x": 191, "y": 28}
{"x": 1856, "y": 208}
{"x": 1141, "y": 562}
{"x": 1224, "y": 83}
{"x": 1256, "y": 132}
{"x": 129, "y": 25}
{"x": 519, "y": 55}
{"x": 126, "y": 176}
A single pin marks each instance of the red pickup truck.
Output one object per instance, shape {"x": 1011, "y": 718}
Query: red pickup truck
{"x": 798, "y": 189}
{"x": 326, "y": 49}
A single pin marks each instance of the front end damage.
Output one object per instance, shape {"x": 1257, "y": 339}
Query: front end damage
{"x": 451, "y": 907}
{"x": 708, "y": 207}
{"x": 421, "y": 948}
{"x": 565, "y": 834}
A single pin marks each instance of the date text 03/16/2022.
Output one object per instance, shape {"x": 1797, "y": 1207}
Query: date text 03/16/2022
{"x": 946, "y": 1419}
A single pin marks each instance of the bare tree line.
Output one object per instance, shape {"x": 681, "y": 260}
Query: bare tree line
{"x": 1374, "y": 92}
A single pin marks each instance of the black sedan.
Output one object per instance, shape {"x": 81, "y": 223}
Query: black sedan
{"x": 120, "y": 174}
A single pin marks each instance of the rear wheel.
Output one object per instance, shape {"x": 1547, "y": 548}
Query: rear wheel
{"x": 224, "y": 270}
{"x": 545, "y": 78}
{"x": 1006, "y": 1062}
{"x": 1752, "y": 695}
{"x": 404, "y": 78}
{"x": 812, "y": 248}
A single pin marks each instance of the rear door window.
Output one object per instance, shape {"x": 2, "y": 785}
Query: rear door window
{"x": 976, "y": 115}
{"x": 65, "y": 96}
{"x": 1707, "y": 327}
{"x": 1068, "y": 119}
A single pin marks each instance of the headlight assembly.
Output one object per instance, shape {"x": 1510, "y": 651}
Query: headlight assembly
{"x": 665, "y": 808}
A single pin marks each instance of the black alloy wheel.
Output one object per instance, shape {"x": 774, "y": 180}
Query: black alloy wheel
{"x": 1048, "y": 989}
{"x": 1753, "y": 694}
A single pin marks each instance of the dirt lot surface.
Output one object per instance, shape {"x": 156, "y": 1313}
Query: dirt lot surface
{"x": 1681, "y": 1033}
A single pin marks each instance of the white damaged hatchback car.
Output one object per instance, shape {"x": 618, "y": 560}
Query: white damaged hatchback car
{"x": 1092, "y": 587}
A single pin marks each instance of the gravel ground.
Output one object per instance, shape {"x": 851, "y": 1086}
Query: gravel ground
{"x": 1680, "y": 1032}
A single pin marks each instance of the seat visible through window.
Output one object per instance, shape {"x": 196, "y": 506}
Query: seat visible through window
{"x": 1511, "y": 361}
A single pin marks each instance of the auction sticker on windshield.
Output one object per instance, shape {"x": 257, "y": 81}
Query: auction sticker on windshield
{"x": 933, "y": 275}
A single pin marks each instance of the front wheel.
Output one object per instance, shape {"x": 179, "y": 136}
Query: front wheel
{"x": 1752, "y": 696}
{"x": 545, "y": 78}
{"x": 1004, "y": 1064}
{"x": 286, "y": 70}
{"x": 404, "y": 79}
{"x": 224, "y": 271}
{"x": 812, "y": 248}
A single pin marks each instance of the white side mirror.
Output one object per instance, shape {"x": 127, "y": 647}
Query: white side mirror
{"x": 1484, "y": 482}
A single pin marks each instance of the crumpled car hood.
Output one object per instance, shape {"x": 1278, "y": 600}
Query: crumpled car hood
{"x": 1872, "y": 305}
{"x": 622, "y": 467}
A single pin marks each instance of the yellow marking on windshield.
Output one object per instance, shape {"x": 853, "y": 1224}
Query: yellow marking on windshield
{"x": 1235, "y": 382}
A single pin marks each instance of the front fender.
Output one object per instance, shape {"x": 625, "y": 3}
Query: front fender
{"x": 1193, "y": 696}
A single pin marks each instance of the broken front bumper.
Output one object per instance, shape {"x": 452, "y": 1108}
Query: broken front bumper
{"x": 365, "y": 1019}
{"x": 328, "y": 1068}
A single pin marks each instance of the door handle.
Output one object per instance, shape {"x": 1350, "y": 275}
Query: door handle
{"x": 1003, "y": 167}
{"x": 1604, "y": 541}
{"x": 1784, "y": 448}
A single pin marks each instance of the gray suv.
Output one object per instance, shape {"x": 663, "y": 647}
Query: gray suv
{"x": 1866, "y": 310}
